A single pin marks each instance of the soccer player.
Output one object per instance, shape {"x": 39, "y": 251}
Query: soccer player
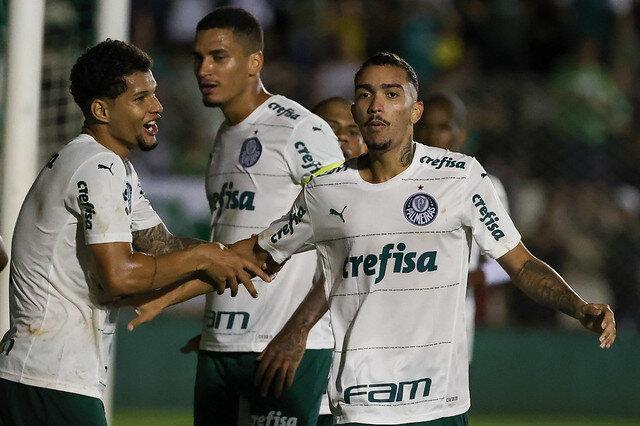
{"x": 444, "y": 125}
{"x": 72, "y": 248}
{"x": 4, "y": 258}
{"x": 266, "y": 148}
{"x": 337, "y": 112}
{"x": 393, "y": 230}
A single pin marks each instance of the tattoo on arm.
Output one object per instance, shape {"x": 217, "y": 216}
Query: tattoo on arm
{"x": 158, "y": 240}
{"x": 541, "y": 283}
{"x": 406, "y": 155}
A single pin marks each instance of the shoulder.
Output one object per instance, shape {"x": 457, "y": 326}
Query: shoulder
{"x": 341, "y": 172}
{"x": 443, "y": 160}
{"x": 284, "y": 112}
{"x": 83, "y": 154}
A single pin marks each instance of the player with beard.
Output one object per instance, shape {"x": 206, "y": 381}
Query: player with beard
{"x": 73, "y": 248}
{"x": 396, "y": 279}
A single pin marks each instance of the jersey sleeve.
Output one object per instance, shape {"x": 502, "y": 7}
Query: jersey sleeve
{"x": 142, "y": 214}
{"x": 312, "y": 146}
{"x": 97, "y": 196}
{"x": 485, "y": 215}
{"x": 292, "y": 233}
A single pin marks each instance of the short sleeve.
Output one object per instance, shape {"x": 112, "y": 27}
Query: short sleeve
{"x": 485, "y": 214}
{"x": 312, "y": 146}
{"x": 97, "y": 195}
{"x": 292, "y": 233}
{"x": 142, "y": 214}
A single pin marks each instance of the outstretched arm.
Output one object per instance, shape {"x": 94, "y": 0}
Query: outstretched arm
{"x": 150, "y": 305}
{"x": 544, "y": 285}
{"x": 281, "y": 358}
{"x": 158, "y": 240}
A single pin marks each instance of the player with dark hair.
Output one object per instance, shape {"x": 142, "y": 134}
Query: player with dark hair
{"x": 396, "y": 279}
{"x": 337, "y": 112}
{"x": 267, "y": 147}
{"x": 73, "y": 248}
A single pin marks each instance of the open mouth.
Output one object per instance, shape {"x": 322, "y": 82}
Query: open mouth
{"x": 151, "y": 127}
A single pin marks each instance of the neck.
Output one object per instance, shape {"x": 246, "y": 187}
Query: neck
{"x": 102, "y": 136}
{"x": 380, "y": 166}
{"x": 239, "y": 108}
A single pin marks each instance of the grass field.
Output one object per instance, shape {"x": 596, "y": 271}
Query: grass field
{"x": 183, "y": 418}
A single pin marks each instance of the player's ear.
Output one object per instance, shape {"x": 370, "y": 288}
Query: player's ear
{"x": 416, "y": 111}
{"x": 100, "y": 110}
{"x": 256, "y": 61}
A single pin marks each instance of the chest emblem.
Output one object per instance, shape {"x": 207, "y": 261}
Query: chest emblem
{"x": 250, "y": 152}
{"x": 420, "y": 209}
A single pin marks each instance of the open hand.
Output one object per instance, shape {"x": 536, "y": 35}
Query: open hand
{"x": 279, "y": 361}
{"x": 599, "y": 318}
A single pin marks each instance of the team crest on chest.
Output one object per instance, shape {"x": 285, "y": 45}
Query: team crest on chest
{"x": 420, "y": 209}
{"x": 250, "y": 152}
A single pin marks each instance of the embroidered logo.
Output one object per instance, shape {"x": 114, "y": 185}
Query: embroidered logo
{"x": 420, "y": 209}
{"x": 250, "y": 152}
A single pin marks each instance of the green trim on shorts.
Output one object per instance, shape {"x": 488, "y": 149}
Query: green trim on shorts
{"x": 26, "y": 405}
{"x": 223, "y": 378}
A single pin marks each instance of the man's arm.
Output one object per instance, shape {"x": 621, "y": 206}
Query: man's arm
{"x": 150, "y": 305}
{"x": 158, "y": 240}
{"x": 126, "y": 272}
{"x": 544, "y": 285}
{"x": 281, "y": 358}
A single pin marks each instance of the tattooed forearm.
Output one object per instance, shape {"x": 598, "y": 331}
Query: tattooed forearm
{"x": 158, "y": 240}
{"x": 406, "y": 155}
{"x": 541, "y": 283}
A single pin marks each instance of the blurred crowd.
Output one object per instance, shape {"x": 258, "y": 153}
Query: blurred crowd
{"x": 551, "y": 89}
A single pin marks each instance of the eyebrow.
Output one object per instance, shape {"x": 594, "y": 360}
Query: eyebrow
{"x": 210, "y": 52}
{"x": 369, "y": 87}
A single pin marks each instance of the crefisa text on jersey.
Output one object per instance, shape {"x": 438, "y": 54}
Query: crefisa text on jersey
{"x": 439, "y": 163}
{"x": 295, "y": 216}
{"x": 372, "y": 264}
{"x": 280, "y": 110}
{"x": 228, "y": 198}
{"x": 273, "y": 418}
{"x": 489, "y": 218}
{"x": 87, "y": 208}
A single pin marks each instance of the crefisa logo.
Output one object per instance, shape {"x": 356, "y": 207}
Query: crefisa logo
{"x": 420, "y": 209}
{"x": 250, "y": 152}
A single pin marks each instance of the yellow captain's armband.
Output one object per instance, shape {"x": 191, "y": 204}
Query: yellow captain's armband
{"x": 322, "y": 170}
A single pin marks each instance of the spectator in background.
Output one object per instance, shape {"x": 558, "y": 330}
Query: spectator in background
{"x": 444, "y": 125}
{"x": 337, "y": 112}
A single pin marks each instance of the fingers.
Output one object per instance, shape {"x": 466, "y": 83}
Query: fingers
{"x": 257, "y": 271}
{"x": 280, "y": 379}
{"x": 608, "y": 335}
{"x": 269, "y": 374}
{"x": 246, "y": 281}
{"x": 232, "y": 282}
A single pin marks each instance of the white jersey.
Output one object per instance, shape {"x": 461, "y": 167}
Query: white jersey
{"x": 60, "y": 336}
{"x": 256, "y": 171}
{"x": 395, "y": 257}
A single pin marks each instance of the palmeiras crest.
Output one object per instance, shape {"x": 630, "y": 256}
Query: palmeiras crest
{"x": 250, "y": 152}
{"x": 420, "y": 209}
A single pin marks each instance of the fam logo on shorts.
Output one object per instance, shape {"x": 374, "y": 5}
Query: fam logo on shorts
{"x": 250, "y": 152}
{"x": 420, "y": 209}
